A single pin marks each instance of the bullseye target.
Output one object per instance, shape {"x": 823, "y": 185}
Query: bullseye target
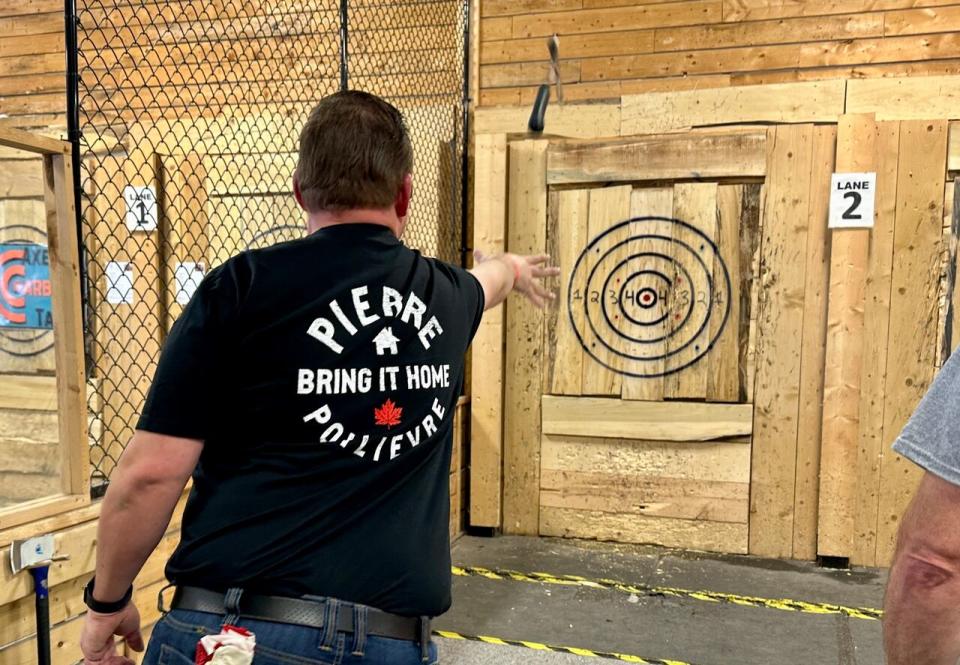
{"x": 649, "y": 296}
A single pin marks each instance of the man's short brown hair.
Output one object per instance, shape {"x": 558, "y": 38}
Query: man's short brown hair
{"x": 354, "y": 153}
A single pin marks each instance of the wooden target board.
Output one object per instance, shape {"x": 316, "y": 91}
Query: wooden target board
{"x": 651, "y": 302}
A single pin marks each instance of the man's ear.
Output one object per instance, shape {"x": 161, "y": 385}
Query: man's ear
{"x": 297, "y": 194}
{"x": 402, "y": 203}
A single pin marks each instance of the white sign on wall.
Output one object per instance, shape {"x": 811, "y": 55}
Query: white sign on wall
{"x": 119, "y": 283}
{"x": 141, "y": 207}
{"x": 187, "y": 276}
{"x": 852, "y": 200}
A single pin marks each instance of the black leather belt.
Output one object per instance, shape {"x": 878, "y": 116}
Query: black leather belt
{"x": 302, "y": 612}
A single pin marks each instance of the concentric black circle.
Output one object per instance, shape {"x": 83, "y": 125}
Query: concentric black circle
{"x": 649, "y": 296}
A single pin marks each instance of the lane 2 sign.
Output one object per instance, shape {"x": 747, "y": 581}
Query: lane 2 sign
{"x": 852, "y": 199}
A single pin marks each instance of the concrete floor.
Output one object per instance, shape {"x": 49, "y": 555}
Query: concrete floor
{"x": 649, "y": 626}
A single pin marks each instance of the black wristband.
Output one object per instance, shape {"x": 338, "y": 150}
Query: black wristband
{"x": 101, "y": 607}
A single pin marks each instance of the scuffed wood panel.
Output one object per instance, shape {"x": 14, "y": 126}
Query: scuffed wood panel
{"x": 914, "y": 306}
{"x": 569, "y": 212}
{"x": 779, "y": 340}
{"x": 849, "y": 256}
{"x": 526, "y": 234}
{"x": 487, "y": 377}
{"x": 905, "y": 98}
{"x": 806, "y": 492}
{"x": 688, "y": 156}
{"x": 662, "y": 421}
{"x": 785, "y": 103}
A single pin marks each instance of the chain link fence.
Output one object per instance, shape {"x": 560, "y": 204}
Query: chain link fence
{"x": 188, "y": 117}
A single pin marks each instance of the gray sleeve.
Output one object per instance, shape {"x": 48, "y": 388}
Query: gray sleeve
{"x": 931, "y": 438}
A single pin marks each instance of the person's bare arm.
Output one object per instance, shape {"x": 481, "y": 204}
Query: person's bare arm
{"x": 499, "y": 275}
{"x": 921, "y": 623}
{"x": 143, "y": 494}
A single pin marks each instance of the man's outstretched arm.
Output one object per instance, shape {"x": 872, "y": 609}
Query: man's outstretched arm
{"x": 143, "y": 494}
{"x": 921, "y": 624}
{"x": 499, "y": 275}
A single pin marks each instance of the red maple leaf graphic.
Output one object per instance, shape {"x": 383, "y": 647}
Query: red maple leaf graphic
{"x": 388, "y": 414}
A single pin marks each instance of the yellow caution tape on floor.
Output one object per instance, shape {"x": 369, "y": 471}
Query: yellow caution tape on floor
{"x": 539, "y": 646}
{"x": 785, "y": 604}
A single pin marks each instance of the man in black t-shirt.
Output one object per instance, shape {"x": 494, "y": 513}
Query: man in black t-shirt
{"x": 309, "y": 390}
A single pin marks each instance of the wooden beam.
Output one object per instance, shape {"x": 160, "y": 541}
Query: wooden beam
{"x": 573, "y": 120}
{"x": 22, "y": 140}
{"x": 656, "y": 421}
{"x": 914, "y": 307}
{"x": 872, "y": 444}
{"x": 69, "y": 347}
{"x": 487, "y": 374}
{"x": 810, "y": 414}
{"x": 927, "y": 97}
{"x": 780, "y": 327}
{"x": 526, "y": 234}
{"x": 849, "y": 257}
{"x": 691, "y": 156}
{"x": 654, "y": 112}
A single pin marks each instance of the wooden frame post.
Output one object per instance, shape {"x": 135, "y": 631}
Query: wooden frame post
{"x": 64, "y": 256}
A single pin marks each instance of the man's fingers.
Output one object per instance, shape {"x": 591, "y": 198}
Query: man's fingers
{"x": 546, "y": 272}
{"x": 479, "y": 256}
{"x": 135, "y": 640}
{"x": 538, "y": 259}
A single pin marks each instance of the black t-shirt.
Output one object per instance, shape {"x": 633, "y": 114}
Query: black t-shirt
{"x": 322, "y": 375}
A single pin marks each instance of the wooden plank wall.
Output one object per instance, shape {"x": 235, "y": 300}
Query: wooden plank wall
{"x": 611, "y": 48}
{"x": 76, "y": 536}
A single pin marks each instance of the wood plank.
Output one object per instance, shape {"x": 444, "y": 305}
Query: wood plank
{"x": 754, "y": 33}
{"x": 695, "y": 204}
{"x": 30, "y": 142}
{"x": 526, "y": 73}
{"x": 487, "y": 373}
{"x": 913, "y": 309}
{"x": 810, "y": 415}
{"x": 726, "y": 461}
{"x": 526, "y": 223}
{"x": 574, "y": 120}
{"x": 654, "y": 496}
{"x": 564, "y": 375}
{"x": 785, "y": 103}
{"x": 858, "y": 52}
{"x": 917, "y": 21}
{"x": 779, "y": 340}
{"x": 905, "y": 98}
{"x": 496, "y": 28}
{"x": 849, "y": 255}
{"x": 509, "y": 7}
{"x": 616, "y": 18}
{"x": 689, "y": 156}
{"x": 753, "y": 206}
{"x": 630, "y": 528}
{"x": 607, "y": 207}
{"x": 755, "y": 10}
{"x": 650, "y": 202}
{"x": 69, "y": 348}
{"x": 35, "y": 393}
{"x": 723, "y": 361}
{"x": 571, "y": 46}
{"x": 657, "y": 421}
{"x": 21, "y": 178}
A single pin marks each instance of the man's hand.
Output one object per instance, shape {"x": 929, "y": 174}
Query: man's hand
{"x": 97, "y": 643}
{"x": 528, "y": 271}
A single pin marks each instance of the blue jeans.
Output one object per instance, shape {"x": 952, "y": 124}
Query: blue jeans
{"x": 175, "y": 637}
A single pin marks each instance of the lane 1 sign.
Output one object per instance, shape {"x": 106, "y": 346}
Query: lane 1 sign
{"x": 852, "y": 199}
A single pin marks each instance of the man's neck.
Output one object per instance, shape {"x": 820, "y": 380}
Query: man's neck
{"x": 326, "y": 218}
